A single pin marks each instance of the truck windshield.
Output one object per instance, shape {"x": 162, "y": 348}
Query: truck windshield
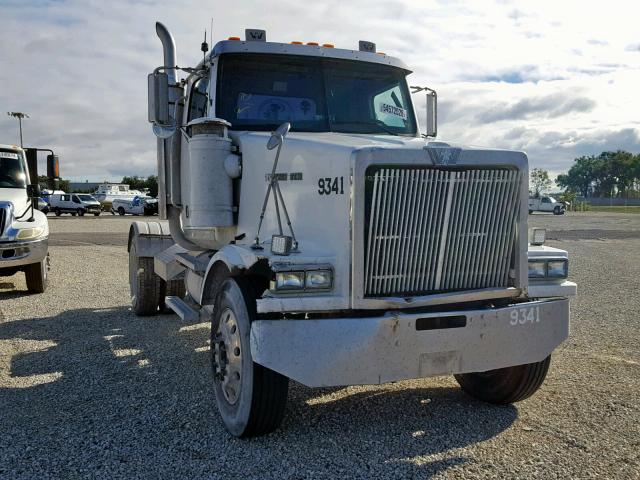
{"x": 12, "y": 174}
{"x": 259, "y": 92}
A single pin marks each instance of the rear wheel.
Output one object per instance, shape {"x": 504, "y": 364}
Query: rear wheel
{"x": 144, "y": 284}
{"x": 57, "y": 212}
{"x": 37, "y": 276}
{"x": 530, "y": 212}
{"x": 505, "y": 385}
{"x": 121, "y": 211}
{"x": 251, "y": 398}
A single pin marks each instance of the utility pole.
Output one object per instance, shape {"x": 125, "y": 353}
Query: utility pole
{"x": 19, "y": 116}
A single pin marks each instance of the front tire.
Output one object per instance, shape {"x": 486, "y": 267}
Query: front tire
{"x": 37, "y": 276}
{"x": 81, "y": 212}
{"x": 251, "y": 398}
{"x": 96, "y": 214}
{"x": 505, "y": 385}
{"x": 121, "y": 211}
{"x": 144, "y": 284}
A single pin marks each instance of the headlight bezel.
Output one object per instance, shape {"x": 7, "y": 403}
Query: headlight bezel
{"x": 305, "y": 273}
{"x": 545, "y": 261}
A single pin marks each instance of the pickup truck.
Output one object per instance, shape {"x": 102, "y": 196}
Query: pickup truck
{"x": 136, "y": 206}
{"x": 546, "y": 204}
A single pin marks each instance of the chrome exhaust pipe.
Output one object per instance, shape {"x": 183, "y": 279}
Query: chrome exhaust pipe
{"x": 169, "y": 50}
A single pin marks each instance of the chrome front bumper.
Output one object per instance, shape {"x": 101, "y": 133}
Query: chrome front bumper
{"x": 397, "y": 346}
{"x": 18, "y": 254}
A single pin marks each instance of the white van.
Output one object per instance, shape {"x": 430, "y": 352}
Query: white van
{"x": 74, "y": 203}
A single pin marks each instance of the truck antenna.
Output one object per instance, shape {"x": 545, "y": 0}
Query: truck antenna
{"x": 204, "y": 46}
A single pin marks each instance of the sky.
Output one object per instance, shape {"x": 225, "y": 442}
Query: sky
{"x": 556, "y": 79}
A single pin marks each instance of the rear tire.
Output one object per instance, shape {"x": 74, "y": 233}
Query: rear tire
{"x": 144, "y": 284}
{"x": 57, "y": 212}
{"x": 121, "y": 211}
{"x": 37, "y": 276}
{"x": 505, "y": 385}
{"x": 251, "y": 398}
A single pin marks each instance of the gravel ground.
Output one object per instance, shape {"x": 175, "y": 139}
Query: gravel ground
{"x": 89, "y": 390}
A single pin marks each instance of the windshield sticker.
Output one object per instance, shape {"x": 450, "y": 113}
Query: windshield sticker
{"x": 9, "y": 155}
{"x": 393, "y": 110}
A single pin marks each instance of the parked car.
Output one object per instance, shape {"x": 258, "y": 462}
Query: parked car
{"x": 138, "y": 205}
{"x": 546, "y": 204}
{"x": 74, "y": 203}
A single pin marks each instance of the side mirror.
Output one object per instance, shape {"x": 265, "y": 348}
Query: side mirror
{"x": 431, "y": 126}
{"x": 432, "y": 113}
{"x": 33, "y": 190}
{"x": 159, "y": 98}
{"x": 277, "y": 137}
{"x": 53, "y": 167}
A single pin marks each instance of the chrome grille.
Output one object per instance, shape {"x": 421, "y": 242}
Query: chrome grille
{"x": 430, "y": 230}
{"x": 4, "y": 214}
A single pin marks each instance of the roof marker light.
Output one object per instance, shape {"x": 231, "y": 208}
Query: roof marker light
{"x": 313, "y": 44}
{"x": 236, "y": 39}
{"x": 296, "y": 42}
{"x": 328, "y": 45}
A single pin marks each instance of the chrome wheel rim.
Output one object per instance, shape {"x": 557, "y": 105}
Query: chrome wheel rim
{"x": 228, "y": 356}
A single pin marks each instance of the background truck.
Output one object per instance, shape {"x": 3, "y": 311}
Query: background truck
{"x": 24, "y": 231}
{"x": 74, "y": 203}
{"x": 139, "y": 205}
{"x": 546, "y": 204}
{"x": 329, "y": 242}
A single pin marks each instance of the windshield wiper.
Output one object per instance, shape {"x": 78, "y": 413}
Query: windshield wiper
{"x": 376, "y": 123}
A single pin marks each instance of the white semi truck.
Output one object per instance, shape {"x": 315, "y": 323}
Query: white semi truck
{"x": 327, "y": 241}
{"x": 24, "y": 231}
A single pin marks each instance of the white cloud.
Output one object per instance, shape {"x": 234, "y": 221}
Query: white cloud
{"x": 557, "y": 79}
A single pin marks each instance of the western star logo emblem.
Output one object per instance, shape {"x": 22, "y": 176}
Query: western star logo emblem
{"x": 443, "y": 156}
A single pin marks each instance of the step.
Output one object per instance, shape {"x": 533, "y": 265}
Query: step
{"x": 185, "y": 311}
{"x": 196, "y": 264}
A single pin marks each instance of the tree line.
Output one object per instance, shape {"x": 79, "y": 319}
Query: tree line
{"x": 610, "y": 174}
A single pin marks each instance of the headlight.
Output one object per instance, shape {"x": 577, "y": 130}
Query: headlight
{"x": 552, "y": 268}
{"x": 29, "y": 233}
{"x": 319, "y": 279}
{"x": 557, "y": 269}
{"x": 537, "y": 268}
{"x": 289, "y": 280}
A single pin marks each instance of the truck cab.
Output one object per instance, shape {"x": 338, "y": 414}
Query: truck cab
{"x": 24, "y": 231}
{"x": 328, "y": 241}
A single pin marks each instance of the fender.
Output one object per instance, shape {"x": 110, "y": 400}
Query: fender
{"x": 231, "y": 260}
{"x": 150, "y": 237}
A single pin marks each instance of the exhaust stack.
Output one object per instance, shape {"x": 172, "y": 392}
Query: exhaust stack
{"x": 169, "y": 50}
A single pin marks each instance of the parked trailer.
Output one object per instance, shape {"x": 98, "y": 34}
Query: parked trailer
{"x": 328, "y": 242}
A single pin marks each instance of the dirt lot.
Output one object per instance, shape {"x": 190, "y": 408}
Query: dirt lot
{"x": 89, "y": 390}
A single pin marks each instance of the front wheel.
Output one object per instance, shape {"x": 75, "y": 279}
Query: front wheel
{"x": 505, "y": 385}
{"x": 121, "y": 211}
{"x": 81, "y": 212}
{"x": 96, "y": 214}
{"x": 37, "y": 276}
{"x": 251, "y": 398}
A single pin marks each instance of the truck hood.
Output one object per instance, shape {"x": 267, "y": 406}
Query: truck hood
{"x": 347, "y": 140}
{"x": 17, "y": 196}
